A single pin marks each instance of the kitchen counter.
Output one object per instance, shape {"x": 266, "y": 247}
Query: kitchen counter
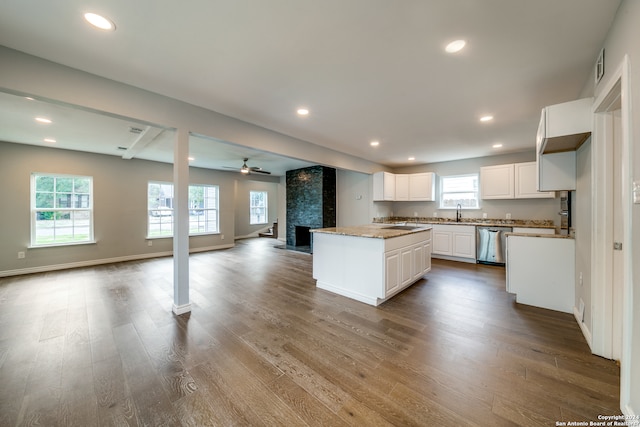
{"x": 370, "y": 263}
{"x": 375, "y": 231}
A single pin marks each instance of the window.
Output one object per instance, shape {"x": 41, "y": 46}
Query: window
{"x": 203, "y": 209}
{"x": 459, "y": 190}
{"x": 61, "y": 209}
{"x": 258, "y": 207}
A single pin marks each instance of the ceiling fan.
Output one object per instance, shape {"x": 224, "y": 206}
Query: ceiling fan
{"x": 249, "y": 170}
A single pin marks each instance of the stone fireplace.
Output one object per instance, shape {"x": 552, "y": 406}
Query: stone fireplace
{"x": 311, "y": 203}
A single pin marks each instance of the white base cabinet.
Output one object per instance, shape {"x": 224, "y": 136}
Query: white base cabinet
{"x": 541, "y": 271}
{"x": 454, "y": 242}
{"x": 370, "y": 270}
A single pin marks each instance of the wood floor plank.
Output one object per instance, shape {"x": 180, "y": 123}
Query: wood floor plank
{"x": 263, "y": 346}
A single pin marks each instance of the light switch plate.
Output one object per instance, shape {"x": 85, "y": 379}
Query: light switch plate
{"x": 636, "y": 192}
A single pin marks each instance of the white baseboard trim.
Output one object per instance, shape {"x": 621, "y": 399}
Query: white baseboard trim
{"x": 93, "y": 262}
{"x": 585, "y": 331}
{"x": 181, "y": 309}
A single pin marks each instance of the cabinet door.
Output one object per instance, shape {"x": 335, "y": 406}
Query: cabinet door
{"x": 422, "y": 187}
{"x": 384, "y": 186}
{"x": 464, "y": 245}
{"x": 392, "y": 272}
{"x": 442, "y": 242}
{"x": 406, "y": 262}
{"x": 418, "y": 260}
{"x": 426, "y": 257}
{"x": 497, "y": 182}
{"x": 402, "y": 187}
{"x": 526, "y": 185}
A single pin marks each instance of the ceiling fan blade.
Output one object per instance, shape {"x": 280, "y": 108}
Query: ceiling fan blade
{"x": 259, "y": 170}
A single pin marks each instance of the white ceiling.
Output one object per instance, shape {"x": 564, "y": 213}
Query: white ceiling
{"x": 366, "y": 69}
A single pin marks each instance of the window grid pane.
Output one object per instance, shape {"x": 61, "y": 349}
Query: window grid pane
{"x": 203, "y": 209}
{"x": 258, "y": 207}
{"x": 62, "y": 211}
{"x": 459, "y": 190}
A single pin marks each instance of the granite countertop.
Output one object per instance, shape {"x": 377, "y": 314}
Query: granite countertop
{"x": 544, "y": 223}
{"x": 375, "y": 231}
{"x": 551, "y": 236}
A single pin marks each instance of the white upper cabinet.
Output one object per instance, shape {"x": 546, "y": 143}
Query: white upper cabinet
{"x": 384, "y": 186}
{"x": 419, "y": 187}
{"x": 402, "y": 187}
{"x": 526, "y": 182}
{"x": 511, "y": 181}
{"x": 422, "y": 187}
{"x": 497, "y": 182}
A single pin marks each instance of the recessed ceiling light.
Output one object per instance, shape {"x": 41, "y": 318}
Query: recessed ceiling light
{"x": 191, "y": 159}
{"x": 99, "y": 21}
{"x": 375, "y": 143}
{"x": 43, "y": 120}
{"x": 486, "y": 118}
{"x": 28, "y": 98}
{"x": 411, "y": 158}
{"x": 303, "y": 111}
{"x": 51, "y": 140}
{"x": 497, "y": 145}
{"x": 455, "y": 46}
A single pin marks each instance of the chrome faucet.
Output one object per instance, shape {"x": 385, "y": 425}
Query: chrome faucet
{"x": 458, "y": 212}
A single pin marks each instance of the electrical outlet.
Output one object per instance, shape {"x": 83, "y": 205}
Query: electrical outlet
{"x": 508, "y": 216}
{"x": 484, "y": 215}
{"x": 20, "y": 255}
{"x": 149, "y": 242}
{"x": 581, "y": 278}
{"x": 435, "y": 214}
{"x": 415, "y": 214}
{"x": 222, "y": 237}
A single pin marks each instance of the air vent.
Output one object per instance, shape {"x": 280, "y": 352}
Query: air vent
{"x": 135, "y": 130}
{"x": 122, "y": 148}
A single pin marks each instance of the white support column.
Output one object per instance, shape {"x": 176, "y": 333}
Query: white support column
{"x": 181, "y": 302}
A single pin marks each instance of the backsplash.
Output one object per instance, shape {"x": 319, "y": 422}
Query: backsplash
{"x": 470, "y": 221}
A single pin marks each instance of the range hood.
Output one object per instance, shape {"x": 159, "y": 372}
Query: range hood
{"x": 564, "y": 127}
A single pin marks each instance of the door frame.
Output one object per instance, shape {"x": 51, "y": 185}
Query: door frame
{"x": 617, "y": 87}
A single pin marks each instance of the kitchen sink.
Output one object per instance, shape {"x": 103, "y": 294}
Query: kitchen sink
{"x": 402, "y": 227}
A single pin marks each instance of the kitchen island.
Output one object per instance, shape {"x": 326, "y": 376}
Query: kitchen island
{"x": 370, "y": 263}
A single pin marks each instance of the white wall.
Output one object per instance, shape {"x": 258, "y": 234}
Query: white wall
{"x": 244, "y": 185}
{"x": 353, "y": 198}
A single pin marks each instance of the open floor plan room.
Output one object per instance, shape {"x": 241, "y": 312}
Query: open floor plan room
{"x": 264, "y": 346}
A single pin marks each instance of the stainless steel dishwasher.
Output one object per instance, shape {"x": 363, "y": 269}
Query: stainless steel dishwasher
{"x": 491, "y": 244}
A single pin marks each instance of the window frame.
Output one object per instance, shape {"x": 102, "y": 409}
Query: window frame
{"x": 165, "y": 210}
{"x": 207, "y": 211}
{"x": 73, "y": 210}
{"x": 265, "y": 206}
{"x": 475, "y": 191}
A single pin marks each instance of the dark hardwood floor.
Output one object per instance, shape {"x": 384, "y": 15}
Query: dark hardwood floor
{"x": 262, "y": 346}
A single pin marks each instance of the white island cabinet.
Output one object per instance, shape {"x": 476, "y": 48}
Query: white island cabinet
{"x": 370, "y": 263}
